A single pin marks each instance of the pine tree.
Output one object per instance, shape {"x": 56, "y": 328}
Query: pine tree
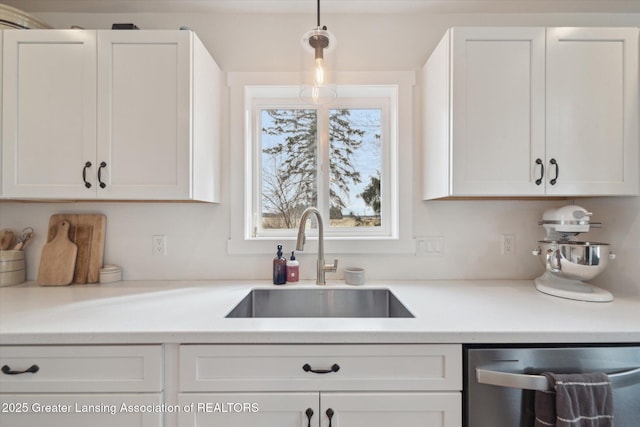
{"x": 371, "y": 194}
{"x": 290, "y": 165}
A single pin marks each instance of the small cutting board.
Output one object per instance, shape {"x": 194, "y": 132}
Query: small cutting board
{"x": 58, "y": 259}
{"x": 98, "y": 224}
{"x": 81, "y": 236}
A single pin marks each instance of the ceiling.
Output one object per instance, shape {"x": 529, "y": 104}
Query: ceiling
{"x": 328, "y": 6}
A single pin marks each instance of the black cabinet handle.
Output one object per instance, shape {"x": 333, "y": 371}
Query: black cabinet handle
{"x": 541, "y": 163}
{"x": 330, "y": 415}
{"x": 102, "y": 165}
{"x": 84, "y": 174}
{"x": 7, "y": 370}
{"x": 334, "y": 368}
{"x": 555, "y": 179}
{"x": 309, "y": 414}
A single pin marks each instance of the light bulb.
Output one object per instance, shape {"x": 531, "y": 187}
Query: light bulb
{"x": 318, "y": 72}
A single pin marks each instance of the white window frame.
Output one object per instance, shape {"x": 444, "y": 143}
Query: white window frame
{"x": 383, "y": 98}
{"x": 241, "y": 240}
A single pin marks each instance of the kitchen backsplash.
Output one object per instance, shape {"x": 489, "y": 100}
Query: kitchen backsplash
{"x": 197, "y": 241}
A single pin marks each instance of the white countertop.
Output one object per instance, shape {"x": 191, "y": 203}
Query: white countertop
{"x": 456, "y": 311}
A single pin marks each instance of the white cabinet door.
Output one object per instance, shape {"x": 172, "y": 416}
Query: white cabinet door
{"x": 391, "y": 409}
{"x": 498, "y": 110}
{"x": 159, "y": 117}
{"x": 313, "y": 409}
{"x": 49, "y": 113}
{"x": 81, "y": 410}
{"x": 592, "y": 111}
{"x": 484, "y": 113}
{"x": 249, "y": 409}
{"x": 144, "y": 114}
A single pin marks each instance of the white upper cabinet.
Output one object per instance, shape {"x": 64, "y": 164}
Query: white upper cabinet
{"x": 131, "y": 115}
{"x": 531, "y": 112}
{"x": 49, "y": 113}
{"x": 592, "y": 111}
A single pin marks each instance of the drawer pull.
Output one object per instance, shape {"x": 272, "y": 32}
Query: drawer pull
{"x": 7, "y": 370}
{"x": 309, "y": 414}
{"x": 330, "y": 415}
{"x": 334, "y": 368}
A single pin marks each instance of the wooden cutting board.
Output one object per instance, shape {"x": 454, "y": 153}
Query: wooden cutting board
{"x": 81, "y": 236}
{"x": 58, "y": 259}
{"x": 98, "y": 224}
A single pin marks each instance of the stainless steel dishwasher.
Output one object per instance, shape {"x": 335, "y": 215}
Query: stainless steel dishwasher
{"x": 500, "y": 381}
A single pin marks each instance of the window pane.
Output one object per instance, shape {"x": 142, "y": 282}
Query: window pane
{"x": 289, "y": 161}
{"x": 355, "y": 159}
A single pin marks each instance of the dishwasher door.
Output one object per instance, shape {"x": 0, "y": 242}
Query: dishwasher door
{"x": 500, "y": 382}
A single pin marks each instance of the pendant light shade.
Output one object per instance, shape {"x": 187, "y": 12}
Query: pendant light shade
{"x": 317, "y": 85}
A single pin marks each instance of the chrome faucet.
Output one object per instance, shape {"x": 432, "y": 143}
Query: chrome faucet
{"x": 322, "y": 267}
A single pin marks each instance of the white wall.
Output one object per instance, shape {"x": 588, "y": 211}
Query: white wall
{"x": 197, "y": 233}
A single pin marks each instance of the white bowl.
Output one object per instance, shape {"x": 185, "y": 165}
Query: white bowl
{"x": 354, "y": 276}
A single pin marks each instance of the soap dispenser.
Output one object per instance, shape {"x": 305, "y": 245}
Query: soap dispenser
{"x": 279, "y": 268}
{"x": 293, "y": 268}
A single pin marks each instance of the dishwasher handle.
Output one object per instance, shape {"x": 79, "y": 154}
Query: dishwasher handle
{"x": 539, "y": 382}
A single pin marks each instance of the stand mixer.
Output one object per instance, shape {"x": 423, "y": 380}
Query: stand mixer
{"x": 568, "y": 262}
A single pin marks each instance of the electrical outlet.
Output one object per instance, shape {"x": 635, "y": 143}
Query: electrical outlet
{"x": 508, "y": 244}
{"x": 159, "y": 242}
{"x": 429, "y": 245}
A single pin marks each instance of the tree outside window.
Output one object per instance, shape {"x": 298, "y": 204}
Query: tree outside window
{"x": 290, "y": 172}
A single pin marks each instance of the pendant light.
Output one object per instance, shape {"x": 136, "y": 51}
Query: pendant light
{"x": 317, "y": 87}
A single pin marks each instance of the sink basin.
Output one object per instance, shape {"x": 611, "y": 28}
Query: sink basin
{"x": 320, "y": 303}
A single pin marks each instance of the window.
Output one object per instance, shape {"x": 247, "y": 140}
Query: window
{"x": 337, "y": 157}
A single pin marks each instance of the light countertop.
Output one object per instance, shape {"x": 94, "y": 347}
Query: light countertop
{"x": 453, "y": 311}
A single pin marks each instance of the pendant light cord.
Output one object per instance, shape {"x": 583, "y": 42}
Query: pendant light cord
{"x": 318, "y": 13}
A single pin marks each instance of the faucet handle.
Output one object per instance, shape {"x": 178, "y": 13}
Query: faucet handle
{"x": 331, "y": 267}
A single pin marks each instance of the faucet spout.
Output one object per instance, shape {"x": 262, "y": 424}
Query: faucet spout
{"x": 322, "y": 268}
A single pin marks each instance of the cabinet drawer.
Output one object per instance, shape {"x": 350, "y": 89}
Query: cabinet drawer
{"x": 81, "y": 368}
{"x": 282, "y": 367}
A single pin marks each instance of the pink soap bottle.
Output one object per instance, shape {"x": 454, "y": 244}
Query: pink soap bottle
{"x": 293, "y": 269}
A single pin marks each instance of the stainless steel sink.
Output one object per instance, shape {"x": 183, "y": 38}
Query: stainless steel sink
{"x": 320, "y": 303}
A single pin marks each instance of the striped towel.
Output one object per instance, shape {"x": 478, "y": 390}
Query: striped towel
{"x": 575, "y": 400}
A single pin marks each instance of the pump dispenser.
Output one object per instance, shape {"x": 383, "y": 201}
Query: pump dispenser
{"x": 279, "y": 268}
{"x": 293, "y": 268}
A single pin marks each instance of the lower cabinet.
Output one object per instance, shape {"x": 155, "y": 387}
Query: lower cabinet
{"x": 249, "y": 409}
{"x": 81, "y": 410}
{"x": 320, "y": 385}
{"x": 79, "y": 386}
{"x": 428, "y": 409}
{"x": 322, "y": 409}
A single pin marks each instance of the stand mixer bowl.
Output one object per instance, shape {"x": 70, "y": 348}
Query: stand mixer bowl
{"x": 574, "y": 260}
